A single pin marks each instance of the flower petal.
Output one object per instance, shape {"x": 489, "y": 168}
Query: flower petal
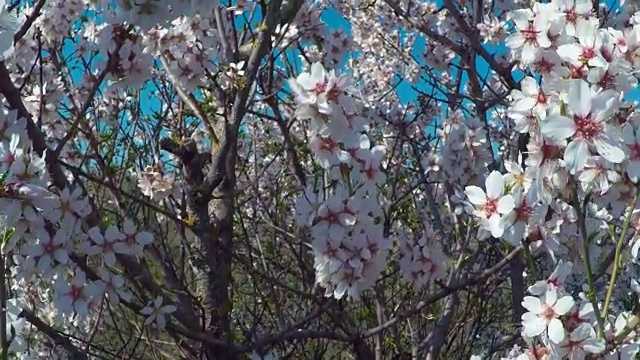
{"x": 532, "y": 325}
{"x": 557, "y": 127}
{"x": 563, "y": 305}
{"x": 529, "y": 86}
{"x": 495, "y": 185}
{"x": 476, "y": 195}
{"x": 506, "y": 204}
{"x": 556, "y": 331}
{"x": 580, "y": 95}
{"x": 609, "y": 149}
{"x": 576, "y": 155}
{"x": 604, "y": 104}
{"x": 496, "y": 226}
{"x": 532, "y": 304}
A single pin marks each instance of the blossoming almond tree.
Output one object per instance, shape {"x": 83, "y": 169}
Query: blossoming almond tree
{"x": 318, "y": 179}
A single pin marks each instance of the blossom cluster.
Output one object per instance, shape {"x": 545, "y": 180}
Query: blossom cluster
{"x": 579, "y": 175}
{"x": 565, "y": 198}
{"x": 155, "y": 184}
{"x": 47, "y": 229}
{"x": 423, "y": 259}
{"x": 348, "y": 242}
{"x": 45, "y": 222}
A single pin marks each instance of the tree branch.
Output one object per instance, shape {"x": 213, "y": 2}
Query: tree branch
{"x": 58, "y": 339}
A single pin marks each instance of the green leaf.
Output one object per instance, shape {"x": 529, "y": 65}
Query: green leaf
{"x": 7, "y": 235}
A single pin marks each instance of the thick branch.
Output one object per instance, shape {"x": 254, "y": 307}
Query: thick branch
{"x": 445, "y": 291}
{"x": 58, "y": 338}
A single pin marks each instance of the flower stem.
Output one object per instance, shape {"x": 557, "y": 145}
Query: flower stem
{"x": 618, "y": 251}
{"x": 3, "y": 309}
{"x": 530, "y": 263}
{"x": 591, "y": 296}
{"x": 634, "y": 321}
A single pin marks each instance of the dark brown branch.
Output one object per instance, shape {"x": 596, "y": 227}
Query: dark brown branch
{"x": 58, "y": 338}
{"x": 445, "y": 291}
{"x": 29, "y": 21}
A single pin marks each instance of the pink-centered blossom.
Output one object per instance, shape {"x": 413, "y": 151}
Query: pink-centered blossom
{"x": 543, "y": 315}
{"x": 491, "y": 205}
{"x": 587, "y": 126}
